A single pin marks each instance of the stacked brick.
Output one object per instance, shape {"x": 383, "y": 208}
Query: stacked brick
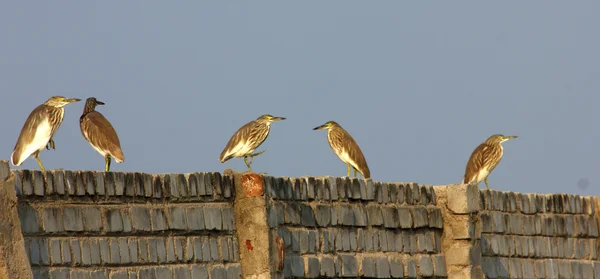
{"x": 538, "y": 236}
{"x": 93, "y": 225}
{"x": 343, "y": 227}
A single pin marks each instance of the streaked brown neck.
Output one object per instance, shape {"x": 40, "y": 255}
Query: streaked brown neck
{"x": 90, "y": 106}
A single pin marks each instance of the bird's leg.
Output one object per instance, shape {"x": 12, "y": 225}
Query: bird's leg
{"x": 254, "y": 155}
{"x": 486, "y": 184}
{"x": 354, "y": 173}
{"x": 348, "y": 170}
{"x": 107, "y": 164}
{"x": 37, "y": 158}
{"x": 50, "y": 144}
{"x": 247, "y": 164}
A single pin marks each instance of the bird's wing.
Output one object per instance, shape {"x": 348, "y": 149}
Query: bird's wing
{"x": 100, "y": 133}
{"x": 481, "y": 157}
{"x": 238, "y": 141}
{"x": 350, "y": 147}
{"x": 27, "y": 135}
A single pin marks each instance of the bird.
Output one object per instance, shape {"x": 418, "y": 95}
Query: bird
{"x": 484, "y": 159}
{"x": 39, "y": 129}
{"x": 247, "y": 138}
{"x": 346, "y": 148}
{"x": 101, "y": 135}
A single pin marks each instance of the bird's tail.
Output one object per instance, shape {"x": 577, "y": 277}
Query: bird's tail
{"x": 15, "y": 157}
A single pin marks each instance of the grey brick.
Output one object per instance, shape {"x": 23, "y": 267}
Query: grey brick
{"x": 53, "y": 219}
{"x": 161, "y": 250}
{"x": 80, "y": 274}
{"x": 426, "y": 266}
{"x": 177, "y": 218}
{"x": 122, "y": 274}
{"x": 374, "y": 215}
{"x": 170, "y": 250}
{"x": 368, "y": 267}
{"x": 182, "y": 272}
{"x": 44, "y": 251}
{"x": 55, "y": 253}
{"x": 587, "y": 270}
{"x": 130, "y": 186}
{"x": 99, "y": 274}
{"x": 370, "y": 189}
{"x": 420, "y": 217}
{"x": 182, "y": 183}
{"x": 115, "y": 256}
{"x": 406, "y": 219}
{"x": 323, "y": 215}
{"x": 296, "y": 189}
{"x": 18, "y": 183}
{"x": 333, "y": 188}
{"x": 212, "y": 218}
{"x": 33, "y": 251}
{"x": 157, "y": 187}
{"x": 199, "y": 272}
{"x": 148, "y": 272}
{"x": 309, "y": 184}
{"x": 30, "y": 222}
{"x": 76, "y": 251}
{"x": 297, "y": 267}
{"x": 95, "y": 254}
{"x": 89, "y": 183}
{"x": 70, "y": 182}
{"x": 205, "y": 249}
{"x": 439, "y": 264}
{"x": 195, "y": 218}
{"x": 360, "y": 216}
{"x": 229, "y": 218}
{"x": 114, "y": 220}
{"x": 396, "y": 268}
{"x": 391, "y": 219}
{"x": 143, "y": 256}
{"x": 355, "y": 189}
{"x": 66, "y": 252}
{"x": 27, "y": 182}
{"x": 346, "y": 215}
{"x": 92, "y": 219}
{"x": 435, "y": 218}
{"x": 214, "y": 249}
{"x": 218, "y": 272}
{"x": 38, "y": 183}
{"x": 100, "y": 187}
{"x": 383, "y": 267}
{"x": 349, "y": 265}
{"x": 133, "y": 250}
{"x": 60, "y": 273}
{"x": 313, "y": 242}
{"x": 327, "y": 267}
{"x": 119, "y": 183}
{"x": 141, "y": 218}
{"x": 73, "y": 219}
{"x": 123, "y": 250}
{"x": 292, "y": 214}
{"x": 80, "y": 189}
{"x": 163, "y": 272}
{"x": 313, "y": 267}
{"x": 411, "y": 268}
{"x": 109, "y": 183}
{"x": 307, "y": 216}
{"x": 208, "y": 183}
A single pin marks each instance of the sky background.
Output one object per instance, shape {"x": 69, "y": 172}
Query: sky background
{"x": 418, "y": 84}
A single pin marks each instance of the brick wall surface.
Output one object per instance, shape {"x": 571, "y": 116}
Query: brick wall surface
{"x": 342, "y": 227}
{"x": 538, "y": 236}
{"x": 97, "y": 225}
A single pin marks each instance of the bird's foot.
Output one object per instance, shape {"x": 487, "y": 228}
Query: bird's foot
{"x": 50, "y": 144}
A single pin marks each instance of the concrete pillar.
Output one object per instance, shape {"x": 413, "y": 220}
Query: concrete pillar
{"x": 460, "y": 243}
{"x": 13, "y": 258}
{"x": 251, "y": 225}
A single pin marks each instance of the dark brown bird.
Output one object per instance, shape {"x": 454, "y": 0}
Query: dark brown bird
{"x": 38, "y": 130}
{"x": 96, "y": 129}
{"x": 346, "y": 148}
{"x": 484, "y": 159}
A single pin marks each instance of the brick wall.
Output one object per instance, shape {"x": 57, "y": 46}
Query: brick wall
{"x": 96, "y": 225}
{"x": 127, "y": 225}
{"x": 538, "y": 236}
{"x": 333, "y": 227}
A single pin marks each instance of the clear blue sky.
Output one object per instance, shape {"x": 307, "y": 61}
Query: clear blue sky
{"x": 418, "y": 84}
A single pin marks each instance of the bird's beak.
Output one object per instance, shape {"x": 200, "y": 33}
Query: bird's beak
{"x": 511, "y": 137}
{"x": 322, "y": 127}
{"x": 73, "y": 100}
{"x": 277, "y": 119}
{"x": 99, "y": 103}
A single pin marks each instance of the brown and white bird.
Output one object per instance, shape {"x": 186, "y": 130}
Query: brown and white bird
{"x": 484, "y": 159}
{"x": 101, "y": 135}
{"x": 346, "y": 148}
{"x": 38, "y": 130}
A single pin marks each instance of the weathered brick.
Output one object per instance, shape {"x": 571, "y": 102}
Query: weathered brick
{"x": 374, "y": 215}
{"x": 195, "y": 218}
{"x": 76, "y": 250}
{"x": 53, "y": 219}
{"x": 99, "y": 274}
{"x": 327, "y": 267}
{"x": 406, "y": 219}
{"x": 391, "y": 218}
{"x": 435, "y": 218}
{"x": 95, "y": 253}
{"x": 396, "y": 268}
{"x": 213, "y": 218}
{"x": 38, "y": 183}
{"x": 141, "y": 218}
{"x": 177, "y": 218}
{"x": 73, "y": 219}
{"x": 92, "y": 219}
{"x": 411, "y": 268}
{"x": 114, "y": 220}
{"x": 30, "y": 222}
{"x": 323, "y": 215}
{"x": 183, "y": 186}
{"x": 349, "y": 265}
{"x": 199, "y": 272}
{"x": 346, "y": 215}
{"x": 307, "y": 216}
{"x": 59, "y": 273}
{"x": 360, "y": 216}
{"x": 420, "y": 217}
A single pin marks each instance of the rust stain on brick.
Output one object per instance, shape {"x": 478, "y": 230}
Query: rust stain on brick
{"x": 280, "y": 251}
{"x": 249, "y": 245}
{"x": 252, "y": 185}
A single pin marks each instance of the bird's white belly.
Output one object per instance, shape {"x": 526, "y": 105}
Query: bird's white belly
{"x": 99, "y": 150}
{"x": 346, "y": 159}
{"x": 242, "y": 149}
{"x": 40, "y": 140}
{"x": 482, "y": 175}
